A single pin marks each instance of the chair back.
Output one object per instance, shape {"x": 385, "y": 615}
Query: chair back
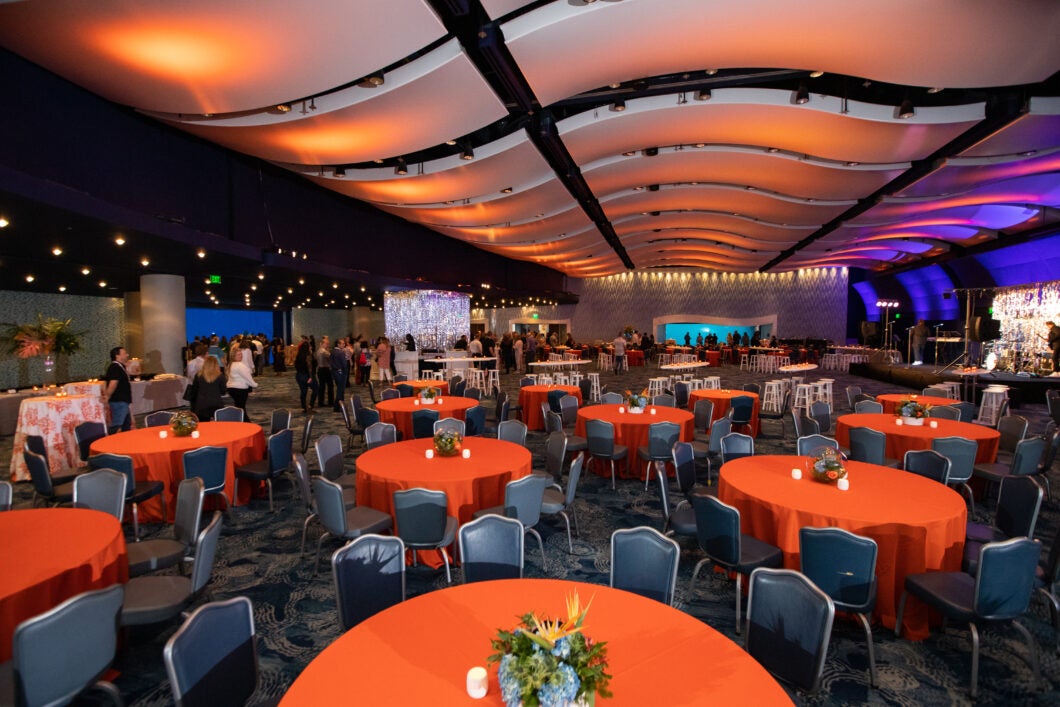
{"x": 405, "y": 390}
{"x": 718, "y": 431}
{"x": 868, "y": 445}
{"x": 379, "y": 434}
{"x": 573, "y": 478}
{"x": 586, "y": 387}
{"x": 208, "y": 464}
{"x": 821, "y": 412}
{"x": 752, "y": 388}
{"x": 553, "y": 399}
{"x": 280, "y": 449}
{"x": 1013, "y": 428}
{"x": 159, "y": 418}
{"x": 457, "y": 389}
{"x": 400, "y": 378}
{"x": 526, "y": 380}
{"x": 213, "y": 658}
{"x": 944, "y": 412}
{"x": 1018, "y": 504}
{"x": 35, "y": 444}
{"x": 369, "y": 575}
{"x": 329, "y": 456}
{"x": 301, "y": 473}
{"x": 644, "y": 561}
{"x": 841, "y": 564}
{"x": 512, "y": 431}
{"x": 553, "y": 420}
{"x": 735, "y": 445}
{"x": 611, "y": 398}
{"x": 661, "y": 439}
{"x": 453, "y": 382}
{"x": 853, "y": 391}
{"x": 38, "y": 473}
{"x": 101, "y": 490}
{"x": 280, "y": 420}
{"x": 423, "y": 423}
{"x": 684, "y": 466}
{"x": 57, "y": 654}
{"x": 117, "y": 462}
{"x": 329, "y": 505}
{"x": 664, "y": 400}
{"x": 522, "y": 499}
{"x": 389, "y": 394}
{"x": 206, "y": 550}
{"x": 967, "y": 410}
{"x": 928, "y": 463}
{"x": 307, "y": 431}
{"x": 703, "y": 413}
{"x": 5, "y": 495}
{"x": 600, "y": 438}
{"x": 491, "y": 547}
{"x": 805, "y": 446}
{"x": 421, "y": 515}
{"x": 961, "y": 453}
{"x": 1028, "y": 454}
{"x": 229, "y": 413}
{"x": 741, "y": 408}
{"x": 717, "y": 529}
{"x": 1006, "y": 577}
{"x": 88, "y": 432}
{"x": 475, "y": 420}
{"x": 449, "y": 423}
{"x": 868, "y": 407}
{"x": 789, "y": 626}
{"x": 555, "y": 453}
{"x": 473, "y": 393}
{"x": 188, "y": 513}
{"x": 568, "y": 410}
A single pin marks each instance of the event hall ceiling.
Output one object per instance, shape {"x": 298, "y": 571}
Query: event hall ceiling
{"x": 595, "y": 137}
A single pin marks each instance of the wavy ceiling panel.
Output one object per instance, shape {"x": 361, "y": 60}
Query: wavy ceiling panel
{"x": 733, "y": 200}
{"x": 721, "y": 224}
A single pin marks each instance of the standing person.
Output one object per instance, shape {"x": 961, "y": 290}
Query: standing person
{"x": 383, "y": 355}
{"x": 279, "y": 356}
{"x": 324, "y": 380}
{"x": 507, "y": 352}
{"x": 517, "y": 350}
{"x": 240, "y": 376}
{"x": 920, "y": 337}
{"x": 259, "y": 353}
{"x": 364, "y": 362}
{"x": 198, "y": 352}
{"x": 474, "y": 347}
{"x": 620, "y": 352}
{"x": 1054, "y": 345}
{"x": 531, "y": 347}
{"x": 204, "y": 393}
{"x": 410, "y": 343}
{"x": 340, "y": 371}
{"x": 118, "y": 393}
{"x": 303, "y": 373}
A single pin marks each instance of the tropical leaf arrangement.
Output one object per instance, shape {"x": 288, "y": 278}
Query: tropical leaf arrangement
{"x": 43, "y": 337}
{"x": 911, "y": 408}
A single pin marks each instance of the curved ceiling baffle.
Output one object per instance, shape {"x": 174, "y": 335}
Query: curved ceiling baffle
{"x": 596, "y": 137}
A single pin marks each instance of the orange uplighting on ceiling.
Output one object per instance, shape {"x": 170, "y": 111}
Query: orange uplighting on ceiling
{"x": 180, "y": 53}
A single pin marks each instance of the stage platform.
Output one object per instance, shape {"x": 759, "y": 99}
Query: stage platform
{"x": 1024, "y": 388}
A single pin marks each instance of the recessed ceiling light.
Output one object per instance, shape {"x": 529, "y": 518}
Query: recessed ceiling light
{"x": 362, "y": 288}
{"x": 85, "y": 271}
{"x": 57, "y": 251}
{"x": 261, "y": 276}
{"x": 201, "y": 253}
{"x": 4, "y": 223}
{"x": 334, "y": 285}
{"x": 102, "y": 283}
{"x": 290, "y": 290}
{"x": 119, "y": 240}
{"x": 301, "y": 281}
{"x": 62, "y": 288}
{"x": 145, "y": 262}
{"x": 30, "y": 278}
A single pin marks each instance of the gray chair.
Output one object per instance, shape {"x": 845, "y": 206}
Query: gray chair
{"x": 162, "y": 553}
{"x": 944, "y": 412}
{"x": 513, "y": 431}
{"x": 160, "y": 418}
{"x": 475, "y": 421}
{"x": 804, "y": 426}
{"x": 423, "y": 423}
{"x": 870, "y": 446}
{"x": 404, "y": 389}
{"x": 568, "y": 410}
{"x": 735, "y": 446}
{"x": 659, "y": 449}
{"x": 1013, "y": 429}
{"x": 741, "y": 411}
{"x": 863, "y": 407}
{"x": 644, "y": 561}
{"x": 600, "y": 438}
{"x": 1023, "y": 463}
{"x": 1018, "y": 503}
{"x": 331, "y": 462}
{"x": 423, "y": 522}
{"x": 342, "y": 522}
{"x": 718, "y": 431}
{"x": 853, "y": 391}
{"x": 555, "y": 454}
{"x": 229, "y": 413}
{"x": 280, "y": 420}
{"x": 307, "y": 431}
{"x": 664, "y": 400}
{"x": 789, "y": 626}
{"x": 212, "y": 659}
{"x": 752, "y": 388}
{"x": 522, "y": 501}
{"x": 101, "y": 490}
{"x": 136, "y": 492}
{"x": 719, "y": 537}
{"x": 806, "y": 446}
{"x": 1000, "y": 591}
{"x": 88, "y": 432}
{"x": 208, "y": 464}
{"x": 6, "y": 495}
{"x": 156, "y": 598}
{"x": 65, "y": 651}
{"x": 821, "y": 412}
{"x": 968, "y": 411}
{"x": 680, "y": 520}
{"x": 491, "y": 547}
{"x": 682, "y": 389}
{"x": 961, "y": 453}
{"x": 369, "y": 574}
{"x": 450, "y": 423}
{"x": 277, "y": 461}
{"x": 611, "y": 398}
{"x": 473, "y": 393}
{"x": 843, "y": 566}
{"x": 556, "y": 501}
{"x": 927, "y": 463}
{"x": 47, "y": 488}
{"x": 382, "y": 433}
{"x": 389, "y": 394}
{"x": 703, "y": 414}
{"x": 554, "y": 423}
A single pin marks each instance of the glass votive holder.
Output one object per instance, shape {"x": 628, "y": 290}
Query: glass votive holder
{"x": 195, "y": 434}
{"x": 652, "y": 411}
{"x": 162, "y": 434}
{"x": 477, "y": 682}
{"x": 796, "y": 474}
{"x": 914, "y": 397}
{"x": 439, "y": 400}
{"x": 898, "y": 421}
{"x": 416, "y": 402}
{"x": 466, "y": 453}
{"x": 934, "y": 424}
{"x": 429, "y": 454}
{"x": 621, "y": 410}
{"x": 843, "y": 484}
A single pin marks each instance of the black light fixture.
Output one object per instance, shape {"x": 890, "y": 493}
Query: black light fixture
{"x": 651, "y": 151}
{"x": 340, "y": 172}
{"x": 373, "y": 80}
{"x": 703, "y": 95}
{"x": 618, "y": 106}
{"x": 906, "y": 110}
{"x": 401, "y": 168}
{"x": 802, "y": 95}
{"x": 467, "y": 153}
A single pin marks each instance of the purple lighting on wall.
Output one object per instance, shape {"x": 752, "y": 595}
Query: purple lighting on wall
{"x": 926, "y": 286}
{"x": 868, "y": 295}
{"x": 1034, "y": 261}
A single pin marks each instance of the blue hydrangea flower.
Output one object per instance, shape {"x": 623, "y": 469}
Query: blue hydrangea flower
{"x": 561, "y": 689}
{"x": 562, "y": 648}
{"x": 510, "y": 692}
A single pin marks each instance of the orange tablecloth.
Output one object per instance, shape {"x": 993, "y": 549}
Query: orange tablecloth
{"x": 50, "y": 555}
{"x": 156, "y": 459}
{"x": 632, "y": 431}
{"x": 470, "y": 484}
{"x": 398, "y": 411}
{"x": 634, "y": 357}
{"x": 919, "y": 524}
{"x": 54, "y": 418}
{"x": 531, "y": 397}
{"x": 712, "y": 357}
{"x": 890, "y": 401}
{"x": 902, "y": 438}
{"x": 722, "y": 400}
{"x": 419, "y": 652}
{"x": 421, "y": 384}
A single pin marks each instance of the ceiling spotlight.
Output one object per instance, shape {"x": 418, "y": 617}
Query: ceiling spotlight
{"x": 506, "y": 190}
{"x": 703, "y": 95}
{"x": 301, "y": 281}
{"x": 4, "y": 223}
{"x": 85, "y": 271}
{"x": 374, "y": 81}
{"x": 362, "y": 288}
{"x": 57, "y": 251}
{"x": 30, "y": 278}
{"x": 802, "y": 95}
{"x": 816, "y": 74}
{"x": 906, "y": 110}
{"x": 102, "y": 283}
{"x": 201, "y": 253}
{"x": 935, "y": 89}
{"x": 467, "y": 153}
{"x": 711, "y": 72}
{"x": 339, "y": 172}
{"x": 145, "y": 262}
{"x": 261, "y": 276}
{"x": 334, "y": 285}
{"x": 651, "y": 151}
{"x": 62, "y": 288}
{"x": 618, "y": 106}
{"x": 401, "y": 168}
{"x": 119, "y": 240}
{"x": 284, "y": 107}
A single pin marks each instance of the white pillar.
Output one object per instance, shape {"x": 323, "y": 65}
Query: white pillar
{"x": 162, "y": 306}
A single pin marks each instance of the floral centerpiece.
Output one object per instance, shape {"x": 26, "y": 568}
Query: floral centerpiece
{"x": 183, "y": 423}
{"x": 551, "y": 663}
{"x": 447, "y": 443}
{"x": 42, "y": 338}
{"x": 429, "y": 393}
{"x": 827, "y": 466}
{"x": 637, "y": 401}
{"x": 912, "y": 412}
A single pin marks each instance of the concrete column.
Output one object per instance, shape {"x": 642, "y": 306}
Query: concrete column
{"x": 132, "y": 338}
{"x": 162, "y": 307}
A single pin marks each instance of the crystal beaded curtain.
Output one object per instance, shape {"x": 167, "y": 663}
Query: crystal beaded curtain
{"x": 1023, "y": 311}
{"x": 435, "y": 318}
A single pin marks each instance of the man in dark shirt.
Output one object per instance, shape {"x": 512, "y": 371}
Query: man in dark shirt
{"x": 1054, "y": 344}
{"x": 118, "y": 393}
{"x": 340, "y": 371}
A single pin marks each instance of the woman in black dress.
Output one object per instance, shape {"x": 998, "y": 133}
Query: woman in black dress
{"x": 207, "y": 388}
{"x": 279, "y": 353}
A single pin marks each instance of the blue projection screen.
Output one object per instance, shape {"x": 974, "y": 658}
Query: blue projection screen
{"x": 227, "y": 322}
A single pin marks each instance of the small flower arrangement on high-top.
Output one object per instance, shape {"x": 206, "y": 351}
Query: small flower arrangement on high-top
{"x": 551, "y": 663}
{"x": 637, "y": 400}
{"x": 448, "y": 443}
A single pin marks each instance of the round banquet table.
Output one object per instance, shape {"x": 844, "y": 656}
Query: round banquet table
{"x": 902, "y": 438}
{"x": 50, "y": 555}
{"x": 635, "y": 357}
{"x": 419, "y": 651}
{"x": 918, "y": 524}
{"x": 721, "y": 399}
{"x": 890, "y": 401}
{"x": 469, "y": 484}
{"x": 712, "y": 357}
{"x": 632, "y": 431}
{"x": 398, "y": 411}
{"x": 531, "y": 397}
{"x": 419, "y": 385}
{"x": 156, "y": 459}
{"x": 54, "y": 418}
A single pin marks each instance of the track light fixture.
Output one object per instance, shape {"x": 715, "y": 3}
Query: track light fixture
{"x": 618, "y": 106}
{"x": 467, "y": 153}
{"x": 340, "y": 172}
{"x": 401, "y": 168}
{"x": 906, "y": 109}
{"x": 703, "y": 95}
{"x": 802, "y": 95}
{"x": 373, "y": 80}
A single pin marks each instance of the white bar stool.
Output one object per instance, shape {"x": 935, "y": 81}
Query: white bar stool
{"x": 771, "y": 396}
{"x": 802, "y": 401}
{"x": 994, "y": 397}
{"x": 594, "y": 390}
{"x": 656, "y": 385}
{"x": 712, "y": 382}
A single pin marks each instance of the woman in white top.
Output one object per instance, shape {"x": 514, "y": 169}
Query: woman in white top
{"x": 241, "y": 378}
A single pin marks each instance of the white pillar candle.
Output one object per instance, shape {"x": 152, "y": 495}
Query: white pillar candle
{"x": 439, "y": 399}
{"x": 934, "y": 424}
{"x": 466, "y": 454}
{"x": 796, "y": 474}
{"x": 416, "y": 402}
{"x": 621, "y": 409}
{"x": 162, "y": 434}
{"x": 898, "y": 421}
{"x": 843, "y": 485}
{"x": 195, "y": 434}
{"x": 429, "y": 454}
{"x": 477, "y": 682}
{"x": 652, "y": 411}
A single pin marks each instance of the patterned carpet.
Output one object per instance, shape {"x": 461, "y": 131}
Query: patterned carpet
{"x": 296, "y": 617}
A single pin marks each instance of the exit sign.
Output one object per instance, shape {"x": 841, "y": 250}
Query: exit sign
{"x": 535, "y": 315}
{"x": 215, "y": 279}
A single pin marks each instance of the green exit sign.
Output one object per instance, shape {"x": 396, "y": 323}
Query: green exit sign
{"x": 535, "y": 315}
{"x": 215, "y": 279}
